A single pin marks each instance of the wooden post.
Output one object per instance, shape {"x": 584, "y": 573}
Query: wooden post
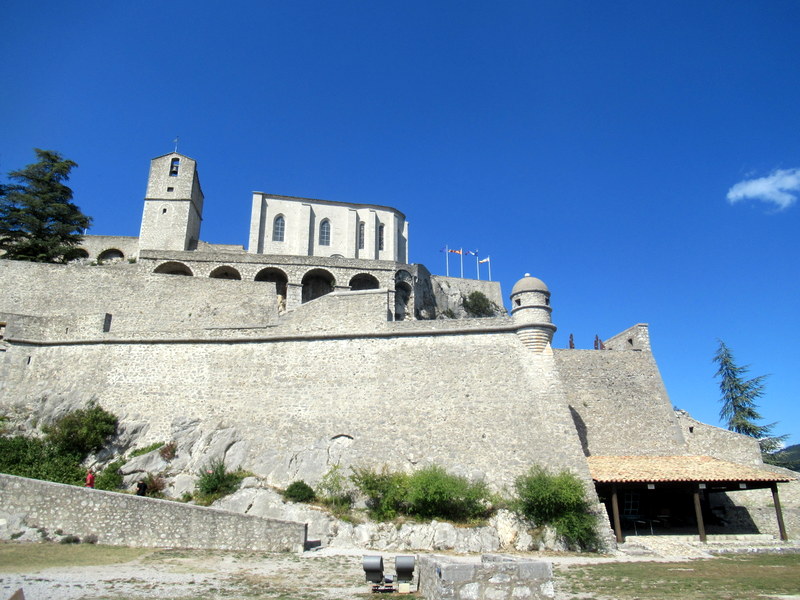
{"x": 615, "y": 514}
{"x": 781, "y": 527}
{"x": 698, "y": 511}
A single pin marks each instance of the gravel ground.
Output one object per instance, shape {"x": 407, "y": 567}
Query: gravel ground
{"x": 330, "y": 573}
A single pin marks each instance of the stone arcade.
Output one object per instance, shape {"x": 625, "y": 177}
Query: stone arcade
{"x": 319, "y": 346}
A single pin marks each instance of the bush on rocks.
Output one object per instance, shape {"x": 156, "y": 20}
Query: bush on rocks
{"x": 558, "y": 500}
{"x": 216, "y": 481}
{"x": 299, "y": 491}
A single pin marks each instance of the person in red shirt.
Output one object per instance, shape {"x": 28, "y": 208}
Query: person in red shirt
{"x": 89, "y": 479}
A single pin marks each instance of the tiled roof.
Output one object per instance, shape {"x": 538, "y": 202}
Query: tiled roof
{"x": 607, "y": 469}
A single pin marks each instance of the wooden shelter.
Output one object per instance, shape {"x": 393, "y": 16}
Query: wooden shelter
{"x": 655, "y": 487}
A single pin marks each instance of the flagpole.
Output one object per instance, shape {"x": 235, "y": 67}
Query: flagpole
{"x": 477, "y": 266}
{"x": 490, "y": 269}
{"x": 447, "y": 259}
{"x": 462, "y": 263}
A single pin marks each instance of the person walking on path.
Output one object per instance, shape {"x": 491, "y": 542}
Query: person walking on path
{"x": 89, "y": 479}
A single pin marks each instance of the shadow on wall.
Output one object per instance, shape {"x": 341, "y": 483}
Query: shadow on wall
{"x": 580, "y": 427}
{"x": 729, "y": 517}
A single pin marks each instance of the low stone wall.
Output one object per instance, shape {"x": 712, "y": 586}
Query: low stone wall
{"x": 126, "y": 520}
{"x": 495, "y": 577}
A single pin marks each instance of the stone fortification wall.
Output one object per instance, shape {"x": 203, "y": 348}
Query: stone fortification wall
{"x": 485, "y": 407}
{"x": 618, "y": 402}
{"x": 125, "y": 520}
{"x": 633, "y": 338}
{"x": 707, "y": 440}
{"x": 496, "y": 577}
{"x": 55, "y": 328}
{"x": 105, "y": 245}
{"x": 137, "y": 301}
{"x": 345, "y": 312}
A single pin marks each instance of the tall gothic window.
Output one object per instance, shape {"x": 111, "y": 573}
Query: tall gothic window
{"x": 278, "y": 228}
{"x": 380, "y": 237}
{"x": 325, "y": 233}
{"x": 174, "y": 166}
{"x": 361, "y": 235}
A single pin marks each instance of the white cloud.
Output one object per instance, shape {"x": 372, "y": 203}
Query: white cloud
{"x": 781, "y": 188}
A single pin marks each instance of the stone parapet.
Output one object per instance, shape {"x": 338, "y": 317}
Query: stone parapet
{"x": 125, "y": 520}
{"x": 495, "y": 576}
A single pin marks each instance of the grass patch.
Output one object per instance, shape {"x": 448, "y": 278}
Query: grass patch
{"x": 28, "y": 557}
{"x": 731, "y": 577}
{"x": 146, "y": 449}
{"x": 215, "y": 481}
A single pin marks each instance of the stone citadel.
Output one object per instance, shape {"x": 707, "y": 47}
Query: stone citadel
{"x": 319, "y": 345}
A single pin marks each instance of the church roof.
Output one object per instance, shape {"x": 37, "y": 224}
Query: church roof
{"x": 629, "y": 469}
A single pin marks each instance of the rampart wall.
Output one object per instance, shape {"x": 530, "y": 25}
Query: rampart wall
{"x": 136, "y": 300}
{"x": 126, "y": 520}
{"x": 485, "y": 406}
{"x": 110, "y": 245}
{"x": 618, "y": 402}
{"x": 707, "y": 440}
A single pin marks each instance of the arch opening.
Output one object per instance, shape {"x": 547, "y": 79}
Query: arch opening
{"x": 402, "y": 296}
{"x": 78, "y": 255}
{"x": 316, "y": 283}
{"x": 225, "y": 272}
{"x": 173, "y": 268}
{"x": 112, "y": 255}
{"x": 364, "y": 281}
{"x": 281, "y": 281}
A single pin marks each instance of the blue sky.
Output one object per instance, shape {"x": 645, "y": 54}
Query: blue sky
{"x": 640, "y": 157}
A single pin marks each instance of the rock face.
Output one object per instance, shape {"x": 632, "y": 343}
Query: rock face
{"x": 504, "y": 531}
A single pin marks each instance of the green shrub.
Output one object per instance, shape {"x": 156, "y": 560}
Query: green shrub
{"x": 299, "y": 491}
{"x": 215, "y": 482}
{"x": 558, "y": 500}
{"x": 335, "y": 492}
{"x": 83, "y": 431}
{"x": 385, "y": 491}
{"x": 70, "y": 539}
{"x": 478, "y": 305}
{"x": 110, "y": 478}
{"x": 38, "y": 459}
{"x": 430, "y": 493}
{"x": 146, "y": 449}
{"x": 435, "y": 493}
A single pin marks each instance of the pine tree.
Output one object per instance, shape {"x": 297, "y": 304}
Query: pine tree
{"x": 38, "y": 220}
{"x": 739, "y": 395}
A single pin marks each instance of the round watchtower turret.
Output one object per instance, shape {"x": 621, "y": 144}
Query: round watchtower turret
{"x": 530, "y": 308}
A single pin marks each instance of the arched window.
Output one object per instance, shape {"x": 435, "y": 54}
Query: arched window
{"x": 325, "y": 233}
{"x": 361, "y": 235}
{"x": 380, "y": 237}
{"x": 278, "y": 228}
{"x": 174, "y": 165}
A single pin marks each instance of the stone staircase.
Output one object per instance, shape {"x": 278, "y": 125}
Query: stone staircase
{"x": 690, "y": 546}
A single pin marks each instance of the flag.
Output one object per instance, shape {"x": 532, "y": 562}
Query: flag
{"x": 471, "y": 253}
{"x": 444, "y": 248}
{"x": 484, "y": 260}
{"x": 455, "y": 251}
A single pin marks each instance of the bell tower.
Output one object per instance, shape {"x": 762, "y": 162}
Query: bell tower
{"x": 173, "y": 205}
